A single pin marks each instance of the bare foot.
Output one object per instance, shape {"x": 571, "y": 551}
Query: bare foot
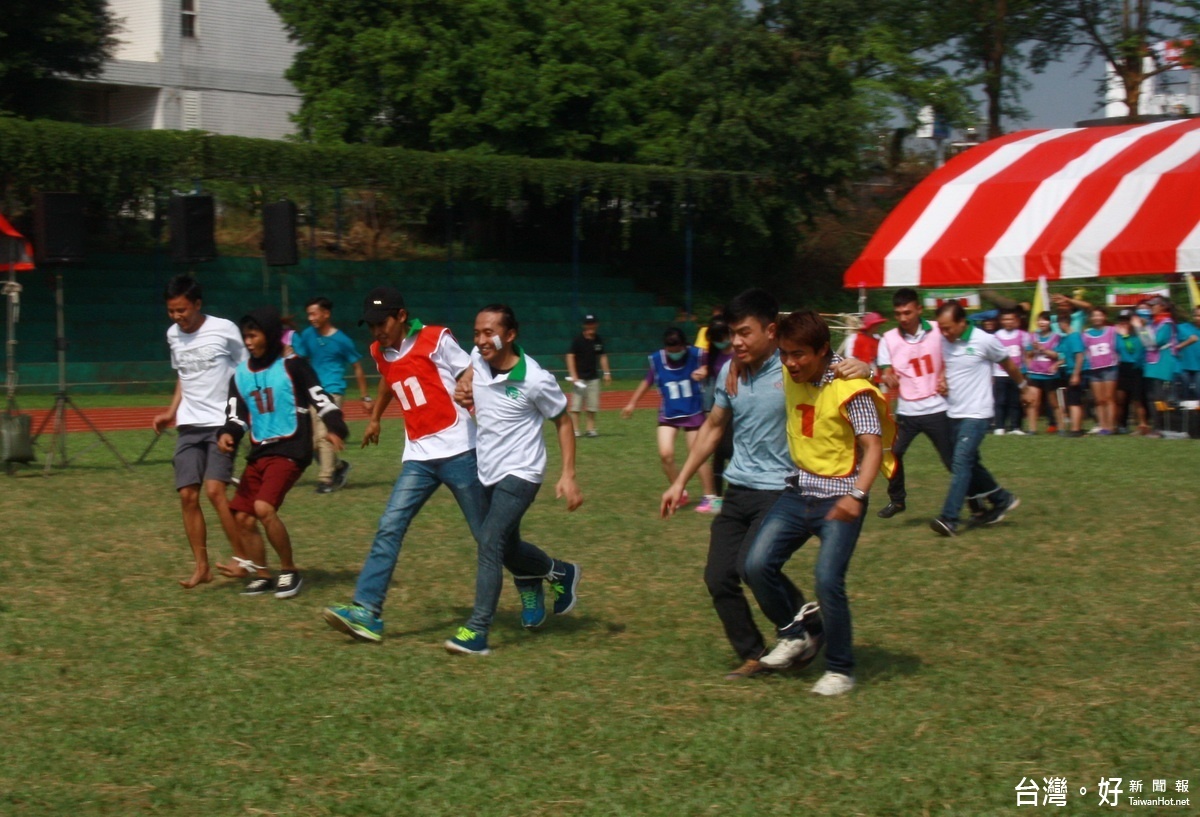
{"x": 232, "y": 570}
{"x": 201, "y": 576}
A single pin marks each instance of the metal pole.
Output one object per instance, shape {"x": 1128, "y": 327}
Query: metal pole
{"x": 687, "y": 258}
{"x": 575, "y": 227}
{"x": 60, "y": 345}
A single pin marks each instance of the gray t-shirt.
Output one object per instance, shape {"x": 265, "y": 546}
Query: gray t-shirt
{"x": 760, "y": 448}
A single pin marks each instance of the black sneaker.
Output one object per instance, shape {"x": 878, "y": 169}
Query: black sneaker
{"x": 943, "y": 527}
{"x": 341, "y": 475}
{"x": 288, "y": 584}
{"x": 998, "y": 512}
{"x": 891, "y": 509}
{"x": 259, "y": 585}
{"x": 324, "y": 488}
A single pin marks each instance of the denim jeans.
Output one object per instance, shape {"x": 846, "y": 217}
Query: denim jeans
{"x": 1188, "y": 387}
{"x": 968, "y": 477}
{"x": 500, "y": 546}
{"x": 788, "y": 525}
{"x": 416, "y": 483}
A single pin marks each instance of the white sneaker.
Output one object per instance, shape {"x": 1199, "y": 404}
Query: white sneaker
{"x": 1095, "y": 430}
{"x": 833, "y": 683}
{"x": 1016, "y": 432}
{"x": 786, "y": 651}
{"x": 999, "y": 432}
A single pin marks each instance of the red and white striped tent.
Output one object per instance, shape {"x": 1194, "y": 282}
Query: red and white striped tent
{"x": 16, "y": 255}
{"x": 1070, "y": 203}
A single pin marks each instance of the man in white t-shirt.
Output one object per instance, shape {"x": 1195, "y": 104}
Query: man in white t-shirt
{"x": 968, "y": 354}
{"x": 514, "y": 397}
{"x": 205, "y": 350}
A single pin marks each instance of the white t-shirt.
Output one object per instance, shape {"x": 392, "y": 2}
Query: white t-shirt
{"x": 451, "y": 361}
{"x": 968, "y": 362}
{"x": 205, "y": 360}
{"x": 910, "y": 408}
{"x": 510, "y": 410}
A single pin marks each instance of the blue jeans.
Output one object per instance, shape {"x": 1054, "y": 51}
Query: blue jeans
{"x": 500, "y": 546}
{"x": 968, "y": 477}
{"x": 1189, "y": 384}
{"x": 787, "y": 526}
{"x": 416, "y": 483}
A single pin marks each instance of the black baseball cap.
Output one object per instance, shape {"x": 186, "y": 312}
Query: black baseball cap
{"x": 380, "y": 303}
{"x": 1125, "y": 314}
{"x": 590, "y": 318}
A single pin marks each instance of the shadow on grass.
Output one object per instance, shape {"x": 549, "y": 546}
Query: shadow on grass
{"x": 877, "y": 665}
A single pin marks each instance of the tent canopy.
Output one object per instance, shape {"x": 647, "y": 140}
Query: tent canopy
{"x": 16, "y": 255}
{"x": 1070, "y": 203}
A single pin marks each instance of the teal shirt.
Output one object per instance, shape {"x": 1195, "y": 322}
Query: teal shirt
{"x": 1189, "y": 357}
{"x": 1131, "y": 350}
{"x": 760, "y": 446}
{"x": 1164, "y": 367}
{"x": 1068, "y": 347}
{"x": 329, "y": 355}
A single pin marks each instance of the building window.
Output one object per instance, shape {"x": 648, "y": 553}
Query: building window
{"x": 187, "y": 22}
{"x": 190, "y": 113}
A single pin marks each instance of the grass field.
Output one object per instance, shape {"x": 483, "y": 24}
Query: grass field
{"x": 1061, "y": 642}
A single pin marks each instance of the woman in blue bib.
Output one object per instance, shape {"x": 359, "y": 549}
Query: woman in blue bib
{"x": 677, "y": 371}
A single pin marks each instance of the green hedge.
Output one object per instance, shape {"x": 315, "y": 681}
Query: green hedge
{"x": 118, "y": 168}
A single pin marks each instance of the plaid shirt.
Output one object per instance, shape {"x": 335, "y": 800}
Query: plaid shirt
{"x": 864, "y": 419}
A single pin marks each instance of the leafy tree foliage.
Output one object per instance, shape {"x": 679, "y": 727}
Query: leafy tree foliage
{"x": 993, "y": 40}
{"x": 1124, "y": 33}
{"x": 42, "y": 39}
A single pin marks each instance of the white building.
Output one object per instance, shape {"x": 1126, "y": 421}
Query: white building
{"x": 213, "y": 65}
{"x": 1175, "y": 92}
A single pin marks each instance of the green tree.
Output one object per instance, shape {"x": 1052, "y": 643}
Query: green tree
{"x": 996, "y": 40}
{"x": 889, "y": 48}
{"x": 543, "y": 78}
{"x": 42, "y": 40}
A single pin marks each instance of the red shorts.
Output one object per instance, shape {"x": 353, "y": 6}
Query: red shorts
{"x": 267, "y": 479}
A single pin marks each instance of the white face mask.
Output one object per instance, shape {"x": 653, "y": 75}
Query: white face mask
{"x": 499, "y": 344}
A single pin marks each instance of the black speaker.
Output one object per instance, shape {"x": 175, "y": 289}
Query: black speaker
{"x": 59, "y": 228}
{"x": 279, "y": 234}
{"x": 193, "y": 219}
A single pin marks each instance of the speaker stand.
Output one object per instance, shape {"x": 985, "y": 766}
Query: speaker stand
{"x": 62, "y": 399}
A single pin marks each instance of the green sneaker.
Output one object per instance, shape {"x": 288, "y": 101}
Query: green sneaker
{"x": 467, "y": 642}
{"x": 356, "y": 621}
{"x": 533, "y": 602}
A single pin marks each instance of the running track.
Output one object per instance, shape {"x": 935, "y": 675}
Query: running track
{"x": 133, "y": 419}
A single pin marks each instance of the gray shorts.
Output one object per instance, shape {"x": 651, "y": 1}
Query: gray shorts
{"x": 197, "y": 458}
{"x": 589, "y": 396}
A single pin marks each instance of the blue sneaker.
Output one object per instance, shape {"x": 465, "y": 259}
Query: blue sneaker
{"x": 533, "y": 603}
{"x": 355, "y": 620}
{"x": 467, "y": 642}
{"x": 564, "y": 585}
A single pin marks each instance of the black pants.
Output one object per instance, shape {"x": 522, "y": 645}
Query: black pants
{"x": 937, "y": 428}
{"x": 1007, "y": 397}
{"x": 721, "y": 458}
{"x": 733, "y": 532}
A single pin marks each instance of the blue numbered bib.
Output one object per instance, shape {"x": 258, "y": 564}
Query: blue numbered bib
{"x": 270, "y": 398}
{"x": 681, "y": 396}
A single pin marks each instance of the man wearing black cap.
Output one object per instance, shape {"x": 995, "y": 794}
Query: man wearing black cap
{"x": 586, "y": 360}
{"x": 420, "y": 366}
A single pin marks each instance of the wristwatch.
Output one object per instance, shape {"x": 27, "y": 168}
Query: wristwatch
{"x": 859, "y": 494}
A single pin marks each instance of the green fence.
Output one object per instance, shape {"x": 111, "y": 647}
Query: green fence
{"x": 115, "y": 319}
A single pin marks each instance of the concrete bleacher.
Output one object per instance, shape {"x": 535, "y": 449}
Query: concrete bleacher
{"x": 115, "y": 319}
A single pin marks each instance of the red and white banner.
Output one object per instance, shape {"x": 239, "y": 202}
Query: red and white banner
{"x": 1070, "y": 203}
